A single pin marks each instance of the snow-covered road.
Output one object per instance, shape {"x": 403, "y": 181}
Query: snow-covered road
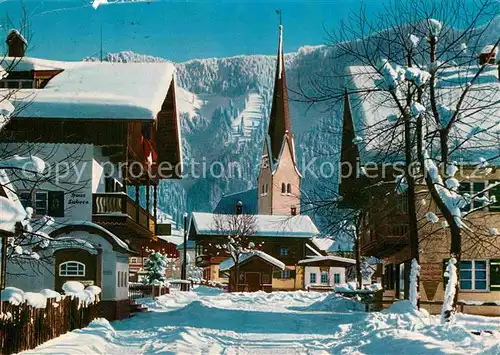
{"x": 209, "y": 322}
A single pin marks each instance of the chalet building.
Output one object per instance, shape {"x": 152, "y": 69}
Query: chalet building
{"x": 325, "y": 272}
{"x": 285, "y": 238}
{"x": 109, "y": 127}
{"x": 386, "y": 233}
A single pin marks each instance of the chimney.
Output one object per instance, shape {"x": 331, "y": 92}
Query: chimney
{"x": 239, "y": 207}
{"x": 16, "y": 43}
{"x": 488, "y": 55}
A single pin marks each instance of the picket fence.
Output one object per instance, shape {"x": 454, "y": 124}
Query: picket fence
{"x": 24, "y": 327}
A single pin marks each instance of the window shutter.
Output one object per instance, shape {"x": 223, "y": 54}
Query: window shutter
{"x": 495, "y": 275}
{"x": 445, "y": 279}
{"x": 276, "y": 274}
{"x": 293, "y": 274}
{"x": 495, "y": 191}
{"x": 56, "y": 204}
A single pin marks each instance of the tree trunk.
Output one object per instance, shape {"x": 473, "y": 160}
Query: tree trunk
{"x": 237, "y": 276}
{"x": 357, "y": 252}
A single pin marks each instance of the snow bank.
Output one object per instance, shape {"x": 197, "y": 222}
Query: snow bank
{"x": 336, "y": 303}
{"x": 35, "y": 299}
{"x": 12, "y": 295}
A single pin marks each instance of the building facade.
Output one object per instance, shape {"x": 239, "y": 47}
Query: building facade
{"x": 103, "y": 131}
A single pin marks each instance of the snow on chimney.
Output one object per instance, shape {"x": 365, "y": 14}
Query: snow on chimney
{"x": 488, "y": 55}
{"x": 16, "y": 43}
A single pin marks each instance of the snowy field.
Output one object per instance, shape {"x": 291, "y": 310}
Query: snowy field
{"x": 207, "y": 321}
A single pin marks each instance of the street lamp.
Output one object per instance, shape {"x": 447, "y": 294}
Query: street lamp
{"x": 184, "y": 258}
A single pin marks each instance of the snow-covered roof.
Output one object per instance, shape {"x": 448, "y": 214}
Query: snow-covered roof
{"x": 229, "y": 263}
{"x": 323, "y": 244}
{"x": 174, "y": 239}
{"x": 313, "y": 250}
{"x": 489, "y": 48}
{"x": 116, "y": 240}
{"x": 228, "y": 202}
{"x": 327, "y": 258}
{"x": 190, "y": 245}
{"x": 265, "y": 225}
{"x": 94, "y": 90}
{"x": 373, "y": 112}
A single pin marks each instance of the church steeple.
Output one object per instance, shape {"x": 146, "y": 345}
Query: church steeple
{"x": 279, "y": 177}
{"x": 279, "y": 121}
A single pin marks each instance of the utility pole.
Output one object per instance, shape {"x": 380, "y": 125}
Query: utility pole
{"x": 184, "y": 258}
{"x": 101, "y": 45}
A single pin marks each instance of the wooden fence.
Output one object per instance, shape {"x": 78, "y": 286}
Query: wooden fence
{"x": 24, "y": 327}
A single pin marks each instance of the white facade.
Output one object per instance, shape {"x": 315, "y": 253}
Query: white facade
{"x": 331, "y": 276}
{"x": 75, "y": 172}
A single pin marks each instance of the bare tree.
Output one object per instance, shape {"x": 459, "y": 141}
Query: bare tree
{"x": 419, "y": 61}
{"x": 239, "y": 229}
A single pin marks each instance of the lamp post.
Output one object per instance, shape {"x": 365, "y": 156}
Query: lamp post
{"x": 184, "y": 251}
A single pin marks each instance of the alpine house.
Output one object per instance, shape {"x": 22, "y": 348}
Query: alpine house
{"x": 367, "y": 140}
{"x": 104, "y": 130}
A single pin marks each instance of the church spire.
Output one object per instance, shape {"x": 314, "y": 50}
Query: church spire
{"x": 279, "y": 121}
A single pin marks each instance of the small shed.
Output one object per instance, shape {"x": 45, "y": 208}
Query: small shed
{"x": 325, "y": 271}
{"x": 255, "y": 271}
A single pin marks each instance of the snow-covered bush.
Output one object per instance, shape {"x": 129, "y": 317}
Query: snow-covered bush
{"x": 155, "y": 269}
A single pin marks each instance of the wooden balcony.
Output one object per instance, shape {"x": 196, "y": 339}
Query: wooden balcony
{"x": 385, "y": 240}
{"x": 120, "y": 214}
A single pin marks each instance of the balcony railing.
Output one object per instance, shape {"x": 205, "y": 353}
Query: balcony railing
{"x": 120, "y": 204}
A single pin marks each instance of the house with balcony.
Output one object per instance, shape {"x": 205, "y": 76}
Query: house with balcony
{"x": 374, "y": 190}
{"x": 108, "y": 133}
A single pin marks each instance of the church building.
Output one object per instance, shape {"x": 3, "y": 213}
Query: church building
{"x": 284, "y": 239}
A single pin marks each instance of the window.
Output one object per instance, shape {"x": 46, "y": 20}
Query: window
{"x": 324, "y": 277}
{"x": 293, "y": 211}
{"x": 17, "y": 84}
{"x": 41, "y": 203}
{"x": 312, "y": 276}
{"x": 263, "y": 190}
{"x": 133, "y": 260}
{"x": 285, "y": 274}
{"x": 283, "y": 188}
{"x": 472, "y": 189}
{"x": 289, "y": 189}
{"x": 119, "y": 279}
{"x": 495, "y": 191}
{"x": 336, "y": 279}
{"x": 267, "y": 188}
{"x": 25, "y": 198}
{"x": 199, "y": 249}
{"x": 44, "y": 202}
{"x": 283, "y": 251}
{"x": 72, "y": 268}
{"x": 473, "y": 275}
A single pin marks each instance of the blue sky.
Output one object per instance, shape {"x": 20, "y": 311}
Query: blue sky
{"x": 176, "y": 30}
